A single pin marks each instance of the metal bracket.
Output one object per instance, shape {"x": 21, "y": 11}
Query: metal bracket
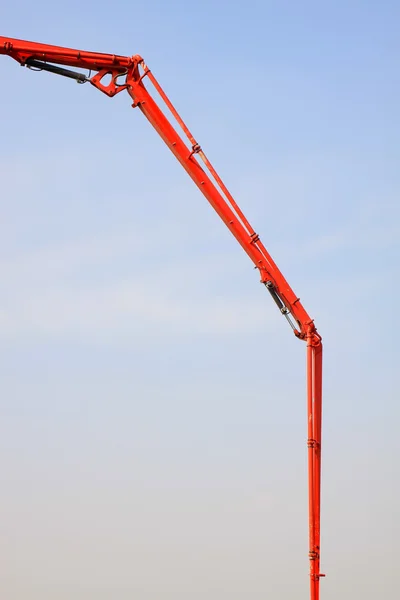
{"x": 113, "y": 86}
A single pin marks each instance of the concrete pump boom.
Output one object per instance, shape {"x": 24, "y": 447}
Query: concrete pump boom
{"x": 113, "y": 74}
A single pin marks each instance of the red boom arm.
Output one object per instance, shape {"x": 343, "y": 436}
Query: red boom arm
{"x": 129, "y": 73}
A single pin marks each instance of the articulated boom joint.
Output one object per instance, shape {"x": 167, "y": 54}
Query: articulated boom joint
{"x": 313, "y": 337}
{"x": 113, "y": 87}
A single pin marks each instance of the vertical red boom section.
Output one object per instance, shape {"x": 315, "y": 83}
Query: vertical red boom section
{"x": 113, "y": 74}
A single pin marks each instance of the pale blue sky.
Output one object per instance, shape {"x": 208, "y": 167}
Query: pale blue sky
{"x": 152, "y": 415}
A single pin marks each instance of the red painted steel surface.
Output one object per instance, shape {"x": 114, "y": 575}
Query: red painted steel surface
{"x": 130, "y": 73}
